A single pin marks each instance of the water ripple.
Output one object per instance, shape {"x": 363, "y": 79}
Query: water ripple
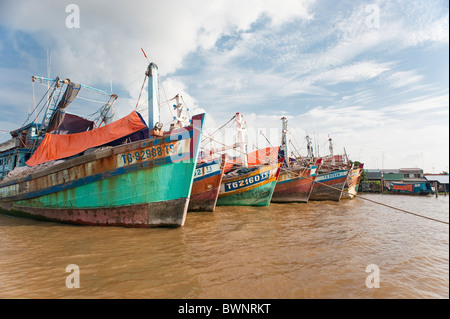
{"x": 314, "y": 250}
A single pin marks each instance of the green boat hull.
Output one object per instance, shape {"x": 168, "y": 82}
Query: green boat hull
{"x": 260, "y": 196}
{"x": 249, "y": 186}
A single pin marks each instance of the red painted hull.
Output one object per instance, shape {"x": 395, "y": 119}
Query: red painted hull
{"x": 291, "y": 188}
{"x": 205, "y": 191}
{"x": 204, "y": 194}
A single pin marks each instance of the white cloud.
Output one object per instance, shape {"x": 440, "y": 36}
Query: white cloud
{"x": 404, "y": 79}
{"x": 419, "y": 105}
{"x": 355, "y": 72}
{"x": 111, "y": 35}
{"x": 281, "y": 57}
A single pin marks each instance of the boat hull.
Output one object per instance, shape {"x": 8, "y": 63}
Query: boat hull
{"x": 352, "y": 184}
{"x": 329, "y": 186}
{"x": 141, "y": 184}
{"x": 295, "y": 186}
{"x": 158, "y": 214}
{"x": 206, "y": 185}
{"x": 249, "y": 188}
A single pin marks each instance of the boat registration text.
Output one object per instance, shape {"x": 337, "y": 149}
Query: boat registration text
{"x": 232, "y": 186}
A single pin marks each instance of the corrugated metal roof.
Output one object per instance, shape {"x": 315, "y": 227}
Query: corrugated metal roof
{"x": 7, "y": 145}
{"x": 442, "y": 179}
{"x": 415, "y": 180}
{"x": 393, "y": 177}
{"x": 373, "y": 174}
{"x": 389, "y": 171}
{"x": 411, "y": 170}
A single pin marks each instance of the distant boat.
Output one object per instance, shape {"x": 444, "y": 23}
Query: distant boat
{"x": 296, "y": 179}
{"x": 352, "y": 184}
{"x": 206, "y": 186}
{"x": 330, "y": 181}
{"x": 247, "y": 185}
{"x": 119, "y": 174}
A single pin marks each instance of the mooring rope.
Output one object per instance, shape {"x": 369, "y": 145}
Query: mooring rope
{"x": 402, "y": 210}
{"x": 371, "y": 200}
{"x": 341, "y": 191}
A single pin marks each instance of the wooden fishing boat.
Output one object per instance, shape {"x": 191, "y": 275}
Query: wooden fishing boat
{"x": 295, "y": 185}
{"x": 206, "y": 185}
{"x": 296, "y": 179}
{"x": 87, "y": 178}
{"x": 352, "y": 184}
{"x": 330, "y": 181}
{"x": 329, "y": 185}
{"x": 244, "y": 184}
{"x": 249, "y": 186}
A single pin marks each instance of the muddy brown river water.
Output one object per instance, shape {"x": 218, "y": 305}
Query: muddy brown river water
{"x": 351, "y": 249}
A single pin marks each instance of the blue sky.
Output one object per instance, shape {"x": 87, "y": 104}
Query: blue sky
{"x": 371, "y": 74}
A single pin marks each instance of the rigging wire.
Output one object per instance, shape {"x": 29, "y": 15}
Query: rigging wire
{"x": 140, "y": 93}
{"x": 90, "y": 100}
{"x": 167, "y": 100}
{"x": 211, "y": 135}
{"x": 29, "y": 115}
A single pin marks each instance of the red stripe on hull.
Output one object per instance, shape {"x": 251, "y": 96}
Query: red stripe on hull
{"x": 204, "y": 194}
{"x": 296, "y": 190}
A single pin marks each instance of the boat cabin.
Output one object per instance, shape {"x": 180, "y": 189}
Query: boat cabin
{"x": 16, "y": 151}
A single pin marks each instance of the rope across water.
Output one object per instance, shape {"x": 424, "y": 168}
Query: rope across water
{"x": 339, "y": 190}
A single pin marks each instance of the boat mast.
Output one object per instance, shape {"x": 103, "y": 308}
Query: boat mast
{"x": 284, "y": 144}
{"x": 153, "y": 95}
{"x": 333, "y": 162}
{"x": 309, "y": 146}
{"x": 49, "y": 111}
{"x": 241, "y": 143}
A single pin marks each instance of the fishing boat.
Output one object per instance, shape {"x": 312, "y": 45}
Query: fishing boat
{"x": 125, "y": 173}
{"x": 244, "y": 184}
{"x": 206, "y": 186}
{"x": 296, "y": 178}
{"x": 352, "y": 183}
{"x": 209, "y": 169}
{"x": 330, "y": 181}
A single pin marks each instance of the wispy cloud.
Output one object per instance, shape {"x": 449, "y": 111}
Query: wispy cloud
{"x": 421, "y": 105}
{"x": 404, "y": 78}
